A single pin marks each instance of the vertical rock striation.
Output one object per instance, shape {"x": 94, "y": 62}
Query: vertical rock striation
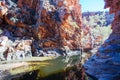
{"x": 105, "y": 65}
{"x": 48, "y": 24}
{"x": 59, "y": 23}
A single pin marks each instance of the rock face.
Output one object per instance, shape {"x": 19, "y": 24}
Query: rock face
{"x": 105, "y": 65}
{"x": 41, "y": 24}
{"x": 56, "y": 23}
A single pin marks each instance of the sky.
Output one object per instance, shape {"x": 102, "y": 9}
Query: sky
{"x": 92, "y": 5}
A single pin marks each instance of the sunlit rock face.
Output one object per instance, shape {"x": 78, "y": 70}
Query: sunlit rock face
{"x": 105, "y": 65}
{"x": 59, "y": 23}
{"x": 50, "y": 24}
{"x": 56, "y": 23}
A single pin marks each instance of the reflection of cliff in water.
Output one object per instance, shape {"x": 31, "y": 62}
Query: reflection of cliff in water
{"x": 42, "y": 67}
{"x": 70, "y": 74}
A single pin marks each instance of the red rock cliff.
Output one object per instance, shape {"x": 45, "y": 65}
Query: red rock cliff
{"x": 50, "y": 24}
{"x": 57, "y": 22}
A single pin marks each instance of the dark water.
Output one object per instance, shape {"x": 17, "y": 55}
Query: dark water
{"x": 74, "y": 73}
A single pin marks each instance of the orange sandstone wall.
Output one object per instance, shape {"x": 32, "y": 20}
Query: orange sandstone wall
{"x": 56, "y": 23}
{"x": 43, "y": 24}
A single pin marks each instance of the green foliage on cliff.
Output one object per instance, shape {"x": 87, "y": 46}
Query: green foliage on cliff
{"x": 97, "y": 19}
{"x": 96, "y": 27}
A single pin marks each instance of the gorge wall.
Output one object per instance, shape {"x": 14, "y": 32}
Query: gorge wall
{"x": 51, "y": 27}
{"x": 39, "y": 27}
{"x": 105, "y": 64}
